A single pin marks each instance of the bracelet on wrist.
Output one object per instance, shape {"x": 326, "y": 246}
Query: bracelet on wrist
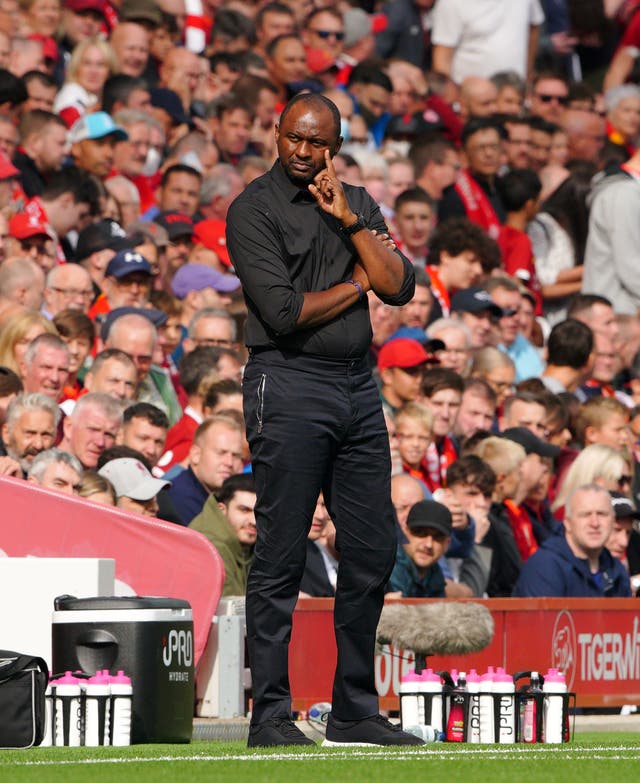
{"x": 357, "y": 286}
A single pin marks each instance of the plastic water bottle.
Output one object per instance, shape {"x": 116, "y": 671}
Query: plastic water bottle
{"x": 473, "y": 717}
{"x": 319, "y": 712}
{"x": 487, "y": 711}
{"x": 97, "y": 692}
{"x": 529, "y": 711}
{"x": 121, "y": 698}
{"x": 411, "y": 703}
{"x": 506, "y": 706}
{"x": 49, "y": 728}
{"x": 425, "y": 732}
{"x": 554, "y": 688}
{"x": 431, "y": 690}
{"x": 69, "y": 712}
{"x": 455, "y": 721}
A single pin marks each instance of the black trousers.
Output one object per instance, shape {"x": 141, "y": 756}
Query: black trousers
{"x": 316, "y": 424}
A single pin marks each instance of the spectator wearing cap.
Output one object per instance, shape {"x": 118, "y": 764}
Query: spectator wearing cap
{"x": 230, "y": 119}
{"x": 32, "y": 238}
{"x": 167, "y": 108}
{"x": 414, "y": 221}
{"x": 210, "y": 245}
{"x": 136, "y": 489}
{"x": 577, "y": 563}
{"x": 507, "y": 294}
{"x": 43, "y": 146}
{"x": 457, "y": 249}
{"x": 475, "y": 308}
{"x": 179, "y": 229}
{"x": 81, "y": 20}
{"x": 416, "y": 573}
{"x": 130, "y": 44}
{"x": 136, "y": 335}
{"x": 91, "y": 63}
{"x": 624, "y": 526}
{"x": 127, "y": 283}
{"x": 179, "y": 192}
{"x": 97, "y": 245}
{"x": 68, "y": 286}
{"x": 401, "y": 364}
{"x": 93, "y": 138}
{"x": 198, "y": 286}
{"x": 441, "y": 392}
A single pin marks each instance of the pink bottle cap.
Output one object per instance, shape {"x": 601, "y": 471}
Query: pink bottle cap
{"x": 408, "y": 677}
{"x": 428, "y": 675}
{"x": 502, "y": 676}
{"x": 99, "y": 678}
{"x": 122, "y": 679}
{"x": 67, "y": 679}
{"x": 553, "y": 675}
{"x": 473, "y": 676}
{"x": 488, "y": 675}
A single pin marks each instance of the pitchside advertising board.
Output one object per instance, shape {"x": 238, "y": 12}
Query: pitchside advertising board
{"x": 595, "y": 642}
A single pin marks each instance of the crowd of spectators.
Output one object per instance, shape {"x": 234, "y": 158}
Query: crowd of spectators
{"x": 500, "y": 139}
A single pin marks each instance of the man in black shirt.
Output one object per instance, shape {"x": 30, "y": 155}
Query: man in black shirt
{"x": 307, "y": 249}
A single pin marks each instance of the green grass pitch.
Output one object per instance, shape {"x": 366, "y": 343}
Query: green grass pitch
{"x": 602, "y": 757}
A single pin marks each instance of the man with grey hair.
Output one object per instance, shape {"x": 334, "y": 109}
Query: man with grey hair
{"x": 218, "y": 190}
{"x": 45, "y": 366}
{"x": 56, "y": 469}
{"x": 577, "y": 562}
{"x": 92, "y": 427}
{"x": 68, "y": 287}
{"x": 211, "y": 326}
{"x": 127, "y": 196}
{"x": 21, "y": 283}
{"x": 136, "y": 335}
{"x": 30, "y": 427}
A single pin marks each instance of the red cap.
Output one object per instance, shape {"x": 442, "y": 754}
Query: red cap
{"x": 7, "y": 169}
{"x": 402, "y": 352}
{"x": 212, "y": 234}
{"x": 23, "y": 226}
{"x": 379, "y": 23}
{"x": 319, "y": 61}
{"x": 85, "y": 5}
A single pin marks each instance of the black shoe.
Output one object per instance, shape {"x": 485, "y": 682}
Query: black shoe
{"x": 369, "y": 731}
{"x": 276, "y": 731}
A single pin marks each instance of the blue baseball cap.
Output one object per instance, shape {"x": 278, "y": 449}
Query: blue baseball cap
{"x": 127, "y": 262}
{"x": 95, "y": 126}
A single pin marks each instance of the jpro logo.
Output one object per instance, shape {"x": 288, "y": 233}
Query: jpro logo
{"x": 178, "y": 649}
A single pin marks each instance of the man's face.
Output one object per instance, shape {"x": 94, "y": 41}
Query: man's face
{"x": 509, "y": 301}
{"x": 41, "y": 96}
{"x": 588, "y": 143}
{"x": 80, "y": 26}
{"x": 131, "y": 155}
{"x": 548, "y": 99}
{"x": 325, "y": 32}
{"x": 475, "y": 413}
{"x": 127, "y": 291}
{"x": 8, "y": 138}
{"x": 373, "y": 98}
{"x": 53, "y": 148}
{"x": 425, "y": 546}
{"x": 47, "y": 373}
{"x": 400, "y": 178}
{"x": 444, "y": 406}
{"x": 602, "y": 320}
{"x": 531, "y": 415}
{"x": 232, "y": 131}
{"x": 181, "y": 193}
{"x": 302, "y": 139}
{"x": 61, "y": 477}
{"x": 444, "y": 174}
{"x": 501, "y": 381}
{"x": 509, "y": 101}
{"x": 141, "y": 435}
{"x": 588, "y": 522}
{"x": 148, "y": 508}
{"x": 414, "y": 221}
{"x": 95, "y": 155}
{"x": 132, "y": 50}
{"x": 90, "y": 434}
{"x": 518, "y": 145}
{"x": 618, "y": 540}
{"x": 79, "y": 348}
{"x": 531, "y": 473}
{"x": 416, "y": 312}
{"x": 461, "y": 271}
{"x": 139, "y": 344}
{"x": 240, "y": 515}
{"x": 471, "y": 498}
{"x": 33, "y": 432}
{"x": 288, "y": 62}
{"x": 274, "y": 24}
{"x": 319, "y": 521}
{"x": 606, "y": 361}
{"x": 211, "y": 331}
{"x": 456, "y": 353}
{"x": 483, "y": 152}
{"x": 613, "y": 432}
{"x": 115, "y": 378}
{"x": 404, "y": 495}
{"x": 402, "y": 384}
{"x": 413, "y": 440}
{"x": 480, "y": 325}
{"x": 218, "y": 456}
{"x": 71, "y": 290}
{"x": 539, "y": 149}
{"x": 539, "y": 490}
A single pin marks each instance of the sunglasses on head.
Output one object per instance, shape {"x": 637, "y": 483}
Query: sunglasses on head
{"x": 326, "y": 34}
{"x": 563, "y": 100}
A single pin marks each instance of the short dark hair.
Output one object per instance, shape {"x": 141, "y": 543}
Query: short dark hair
{"x": 370, "y": 72}
{"x": 481, "y": 388}
{"x": 120, "y": 452}
{"x": 82, "y": 186}
{"x": 148, "y": 412}
{"x": 118, "y": 88}
{"x": 580, "y": 303}
{"x": 428, "y": 149}
{"x": 226, "y": 103}
{"x": 540, "y": 124}
{"x": 72, "y": 323}
{"x": 318, "y": 100}
{"x": 232, "y": 24}
{"x": 477, "y": 124}
{"x": 413, "y": 196}
{"x": 436, "y": 379}
{"x": 570, "y": 344}
{"x": 240, "y": 482}
{"x": 196, "y": 365}
{"x": 221, "y": 388}
{"x": 179, "y": 168}
{"x": 518, "y": 186}
{"x": 272, "y": 8}
{"x": 474, "y": 471}
{"x": 111, "y": 353}
{"x": 529, "y": 397}
{"x": 45, "y": 79}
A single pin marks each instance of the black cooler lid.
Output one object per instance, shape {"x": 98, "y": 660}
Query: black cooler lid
{"x": 64, "y": 603}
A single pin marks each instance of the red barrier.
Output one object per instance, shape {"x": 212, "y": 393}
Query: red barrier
{"x": 596, "y": 642}
{"x": 152, "y": 557}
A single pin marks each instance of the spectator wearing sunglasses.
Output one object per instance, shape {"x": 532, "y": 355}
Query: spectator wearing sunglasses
{"x": 549, "y": 96}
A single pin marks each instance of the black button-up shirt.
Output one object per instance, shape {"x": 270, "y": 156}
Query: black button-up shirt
{"x": 283, "y": 245}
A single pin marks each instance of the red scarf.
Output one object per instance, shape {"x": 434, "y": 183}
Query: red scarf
{"x": 522, "y": 529}
{"x": 476, "y": 204}
{"x": 421, "y": 473}
{"x": 440, "y": 291}
{"x": 439, "y": 457}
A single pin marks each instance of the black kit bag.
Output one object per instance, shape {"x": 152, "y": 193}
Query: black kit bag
{"x": 23, "y": 682}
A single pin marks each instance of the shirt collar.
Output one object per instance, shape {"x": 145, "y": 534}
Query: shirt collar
{"x": 291, "y": 191}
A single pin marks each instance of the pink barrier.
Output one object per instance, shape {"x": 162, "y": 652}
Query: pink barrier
{"x": 152, "y": 557}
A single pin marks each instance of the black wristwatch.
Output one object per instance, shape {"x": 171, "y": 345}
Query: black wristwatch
{"x": 355, "y": 227}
